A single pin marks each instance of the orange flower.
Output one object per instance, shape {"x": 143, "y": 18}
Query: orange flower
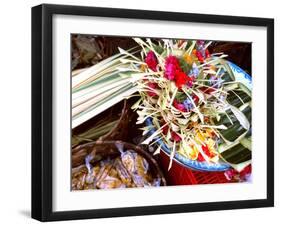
{"x": 194, "y": 52}
{"x": 142, "y": 67}
{"x": 188, "y": 59}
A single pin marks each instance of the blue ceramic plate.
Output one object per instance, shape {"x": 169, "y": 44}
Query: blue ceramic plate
{"x": 241, "y": 76}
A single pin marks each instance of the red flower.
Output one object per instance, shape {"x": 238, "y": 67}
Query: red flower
{"x": 151, "y": 60}
{"x": 200, "y": 158}
{"x": 175, "y": 136}
{"x": 246, "y": 171}
{"x": 200, "y": 56}
{"x": 182, "y": 79}
{"x": 234, "y": 175}
{"x": 179, "y": 106}
{"x": 172, "y": 67}
{"x": 206, "y": 151}
{"x": 190, "y": 81}
{"x": 165, "y": 130}
{"x": 173, "y": 71}
{"x": 207, "y": 53}
{"x": 195, "y": 99}
{"x": 152, "y": 85}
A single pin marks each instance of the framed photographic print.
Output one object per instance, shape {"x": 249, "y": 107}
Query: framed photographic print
{"x": 147, "y": 112}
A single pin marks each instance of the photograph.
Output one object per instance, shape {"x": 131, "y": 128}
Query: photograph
{"x": 141, "y": 112}
{"x": 151, "y": 112}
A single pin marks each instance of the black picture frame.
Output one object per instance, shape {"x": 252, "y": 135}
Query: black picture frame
{"x": 42, "y": 111}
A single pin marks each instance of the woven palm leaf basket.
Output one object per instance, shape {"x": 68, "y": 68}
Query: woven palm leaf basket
{"x": 111, "y": 125}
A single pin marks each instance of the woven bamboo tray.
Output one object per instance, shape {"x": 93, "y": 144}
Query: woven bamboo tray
{"x": 107, "y": 149}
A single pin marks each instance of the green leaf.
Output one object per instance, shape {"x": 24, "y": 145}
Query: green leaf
{"x": 237, "y": 154}
{"x": 237, "y": 98}
{"x": 184, "y": 65}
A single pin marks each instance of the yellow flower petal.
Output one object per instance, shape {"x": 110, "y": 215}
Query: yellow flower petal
{"x": 190, "y": 151}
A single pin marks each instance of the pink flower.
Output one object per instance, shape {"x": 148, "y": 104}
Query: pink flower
{"x": 171, "y": 67}
{"x": 179, "y": 106}
{"x": 152, "y": 85}
{"x": 229, "y": 174}
{"x": 200, "y": 42}
{"x": 151, "y": 60}
{"x": 244, "y": 175}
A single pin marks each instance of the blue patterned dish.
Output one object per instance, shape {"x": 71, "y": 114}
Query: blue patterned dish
{"x": 241, "y": 76}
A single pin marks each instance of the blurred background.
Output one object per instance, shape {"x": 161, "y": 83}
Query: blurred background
{"x": 89, "y": 49}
